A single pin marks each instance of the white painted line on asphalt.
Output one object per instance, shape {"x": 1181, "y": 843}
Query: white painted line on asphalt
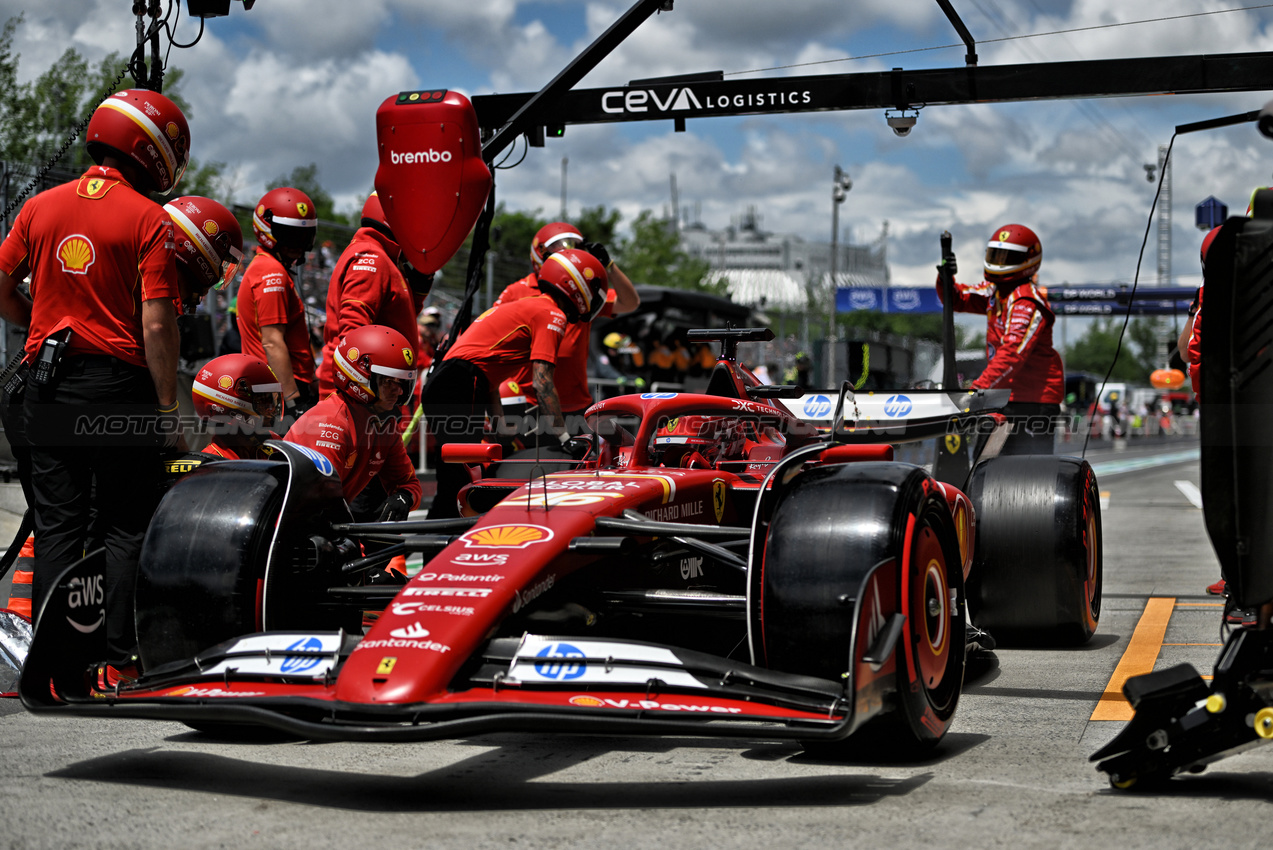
{"x": 1191, "y": 491}
{"x": 1116, "y": 467}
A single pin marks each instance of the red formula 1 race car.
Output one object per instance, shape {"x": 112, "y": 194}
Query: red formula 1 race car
{"x": 716, "y": 565}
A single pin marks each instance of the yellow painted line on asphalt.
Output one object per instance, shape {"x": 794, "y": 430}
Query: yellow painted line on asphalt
{"x": 1138, "y": 659}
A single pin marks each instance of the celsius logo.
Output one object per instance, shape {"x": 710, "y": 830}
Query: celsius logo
{"x": 561, "y": 662}
{"x": 897, "y": 405}
{"x": 817, "y": 407}
{"x": 410, "y": 157}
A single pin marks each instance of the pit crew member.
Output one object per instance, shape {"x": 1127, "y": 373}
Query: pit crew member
{"x": 272, "y": 320}
{"x": 237, "y": 398}
{"x": 356, "y": 426}
{"x": 1019, "y": 350}
{"x": 209, "y": 247}
{"x": 103, "y": 344}
{"x": 571, "y": 376}
{"x": 499, "y": 343}
{"x": 371, "y": 286}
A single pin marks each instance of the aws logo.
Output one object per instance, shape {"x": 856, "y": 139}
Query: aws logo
{"x": 76, "y": 253}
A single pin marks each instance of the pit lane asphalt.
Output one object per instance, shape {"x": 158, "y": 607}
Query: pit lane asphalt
{"x": 1013, "y": 772}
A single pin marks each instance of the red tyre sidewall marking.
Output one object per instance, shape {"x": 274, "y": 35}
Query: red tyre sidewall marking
{"x": 935, "y": 654}
{"x": 904, "y": 596}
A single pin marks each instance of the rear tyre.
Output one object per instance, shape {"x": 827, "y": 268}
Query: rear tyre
{"x": 1037, "y": 571}
{"x": 840, "y": 534}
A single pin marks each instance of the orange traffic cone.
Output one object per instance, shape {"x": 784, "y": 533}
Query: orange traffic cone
{"x": 23, "y": 576}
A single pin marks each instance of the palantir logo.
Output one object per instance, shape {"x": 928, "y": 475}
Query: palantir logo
{"x": 817, "y": 407}
{"x": 301, "y": 663}
{"x": 897, "y": 405}
{"x": 560, "y": 662}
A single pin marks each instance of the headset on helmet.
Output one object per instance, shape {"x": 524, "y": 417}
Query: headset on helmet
{"x": 285, "y": 217}
{"x": 551, "y": 238}
{"x": 238, "y": 389}
{"x": 147, "y": 128}
{"x": 577, "y": 281}
{"x": 209, "y": 239}
{"x": 368, "y": 354}
{"x": 1012, "y": 254}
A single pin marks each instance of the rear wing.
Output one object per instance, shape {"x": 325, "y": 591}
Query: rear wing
{"x": 899, "y": 416}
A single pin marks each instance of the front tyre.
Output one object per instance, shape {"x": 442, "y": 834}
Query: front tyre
{"x": 848, "y": 547}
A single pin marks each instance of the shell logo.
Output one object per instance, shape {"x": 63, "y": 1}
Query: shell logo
{"x": 351, "y": 355}
{"x": 408, "y": 355}
{"x": 76, "y": 254}
{"x": 506, "y": 536}
{"x": 260, "y": 210}
{"x": 303, "y": 209}
{"x": 587, "y": 702}
{"x": 173, "y": 130}
{"x": 210, "y": 227}
{"x": 225, "y": 382}
{"x": 588, "y": 273}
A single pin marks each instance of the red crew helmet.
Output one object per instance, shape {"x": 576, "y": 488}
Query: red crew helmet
{"x": 373, "y": 211}
{"x": 369, "y": 354}
{"x": 1012, "y": 254}
{"x": 551, "y": 238}
{"x": 285, "y": 217}
{"x": 237, "y": 388}
{"x": 147, "y": 128}
{"x": 209, "y": 239}
{"x": 1206, "y": 245}
{"x": 577, "y": 281}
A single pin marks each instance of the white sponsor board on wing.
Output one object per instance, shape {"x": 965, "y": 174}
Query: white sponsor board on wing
{"x": 283, "y": 654}
{"x": 577, "y": 662}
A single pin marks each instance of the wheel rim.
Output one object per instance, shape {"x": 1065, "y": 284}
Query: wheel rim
{"x": 930, "y": 610}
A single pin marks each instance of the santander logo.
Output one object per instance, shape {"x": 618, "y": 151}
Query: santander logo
{"x": 412, "y": 157}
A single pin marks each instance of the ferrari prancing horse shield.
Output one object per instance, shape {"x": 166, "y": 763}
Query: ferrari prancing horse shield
{"x": 718, "y": 498}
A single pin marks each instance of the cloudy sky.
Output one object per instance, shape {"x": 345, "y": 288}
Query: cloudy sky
{"x": 298, "y": 81}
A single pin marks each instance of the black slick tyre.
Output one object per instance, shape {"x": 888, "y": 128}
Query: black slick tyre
{"x": 1037, "y": 570}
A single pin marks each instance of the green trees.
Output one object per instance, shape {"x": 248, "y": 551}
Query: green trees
{"x": 653, "y": 255}
{"x": 1094, "y": 351}
{"x": 38, "y": 118}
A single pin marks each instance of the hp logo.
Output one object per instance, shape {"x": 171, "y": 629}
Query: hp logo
{"x": 897, "y": 405}
{"x": 562, "y": 663}
{"x": 301, "y": 663}
{"x": 817, "y": 407}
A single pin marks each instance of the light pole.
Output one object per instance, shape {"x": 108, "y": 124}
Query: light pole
{"x": 839, "y": 189}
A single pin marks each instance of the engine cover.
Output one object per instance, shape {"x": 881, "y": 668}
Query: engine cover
{"x": 432, "y": 180}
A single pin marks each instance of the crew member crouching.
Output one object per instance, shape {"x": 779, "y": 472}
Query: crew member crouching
{"x": 356, "y": 427}
{"x": 238, "y": 398}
